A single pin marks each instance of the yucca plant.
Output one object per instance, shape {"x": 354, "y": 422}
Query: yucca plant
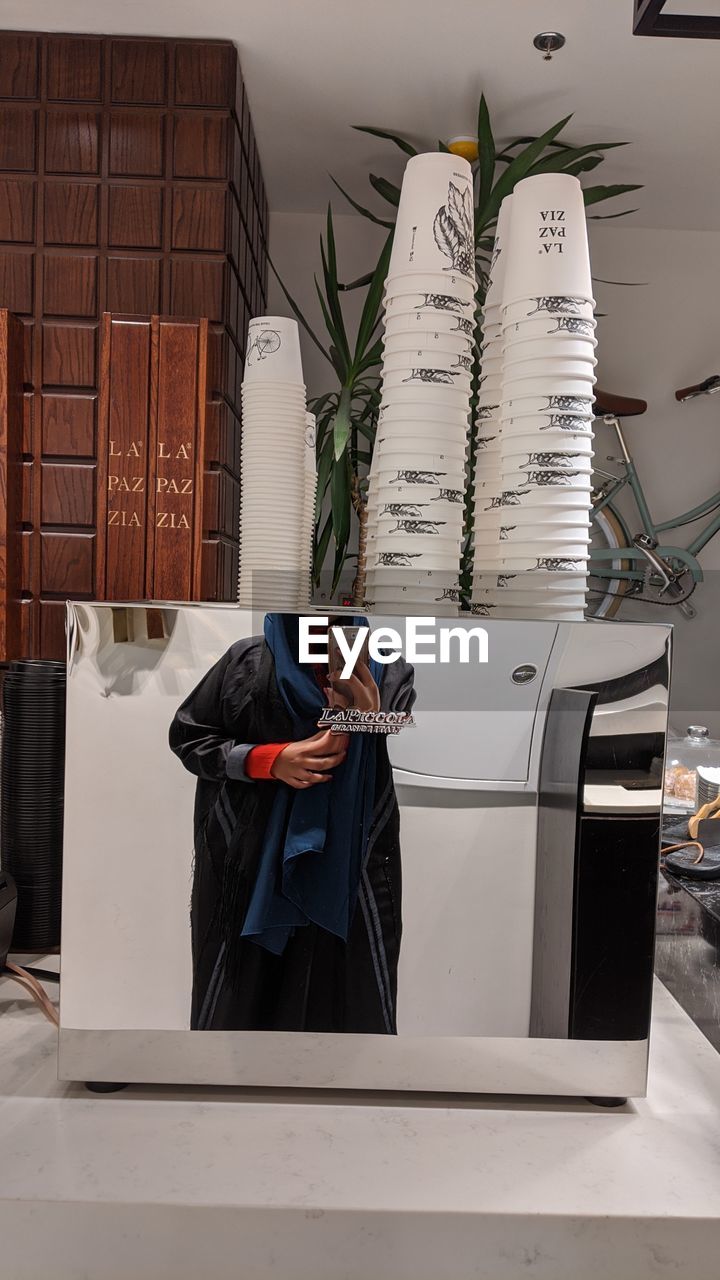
{"x": 347, "y": 415}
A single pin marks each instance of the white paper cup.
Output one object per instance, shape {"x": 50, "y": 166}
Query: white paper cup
{"x": 273, "y": 350}
{"x": 436, "y": 284}
{"x": 551, "y": 329}
{"x": 428, "y": 596}
{"x": 429, "y": 322}
{"x": 272, "y": 432}
{"x": 545, "y": 569}
{"x": 547, "y": 367}
{"x": 424, "y": 433}
{"x": 428, "y": 302}
{"x": 488, "y": 405}
{"x": 420, "y": 493}
{"x": 541, "y": 513}
{"x": 426, "y": 377}
{"x": 531, "y": 548}
{"x": 551, "y": 349}
{"x": 391, "y": 507}
{"x": 495, "y": 289}
{"x": 422, "y": 343}
{"x": 389, "y": 577}
{"x": 515, "y": 466}
{"x": 417, "y": 558}
{"x": 396, "y": 390}
{"x": 258, "y": 391}
{"x": 563, "y": 596}
{"x": 454, "y": 362}
{"x": 445, "y": 549}
{"x": 544, "y": 384}
{"x": 424, "y": 413}
{"x": 393, "y": 451}
{"x": 575, "y": 404}
{"x": 558, "y": 431}
{"x": 434, "y": 228}
{"x": 547, "y": 245}
{"x": 526, "y": 498}
{"x": 545, "y": 614}
{"x": 544, "y": 305}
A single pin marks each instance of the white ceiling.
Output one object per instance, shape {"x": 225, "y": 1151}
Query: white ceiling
{"x": 315, "y": 67}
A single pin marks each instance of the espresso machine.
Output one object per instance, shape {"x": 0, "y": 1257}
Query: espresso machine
{"x": 530, "y": 790}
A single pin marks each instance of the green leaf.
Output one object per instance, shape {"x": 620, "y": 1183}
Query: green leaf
{"x": 584, "y": 166}
{"x": 517, "y": 170}
{"x": 335, "y": 355}
{"x": 388, "y": 137}
{"x": 341, "y": 426}
{"x": 625, "y": 284}
{"x": 593, "y": 195}
{"x": 562, "y": 157}
{"x": 298, "y": 313}
{"x": 340, "y": 557}
{"x": 366, "y": 213}
{"x": 321, "y": 545}
{"x": 385, "y": 189}
{"x": 442, "y": 146}
{"x": 372, "y": 357}
{"x": 362, "y": 282}
{"x": 340, "y": 502}
{"x": 371, "y": 309}
{"x": 604, "y": 217}
{"x": 332, "y": 293}
{"x": 486, "y": 152}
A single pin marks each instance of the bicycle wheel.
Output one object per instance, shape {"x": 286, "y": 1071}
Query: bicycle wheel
{"x": 605, "y": 594}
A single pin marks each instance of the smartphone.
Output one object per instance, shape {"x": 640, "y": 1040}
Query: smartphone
{"x": 336, "y": 657}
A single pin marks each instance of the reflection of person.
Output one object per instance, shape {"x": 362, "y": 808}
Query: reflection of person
{"x": 296, "y": 891}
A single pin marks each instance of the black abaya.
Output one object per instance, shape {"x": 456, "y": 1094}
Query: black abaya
{"x": 320, "y": 982}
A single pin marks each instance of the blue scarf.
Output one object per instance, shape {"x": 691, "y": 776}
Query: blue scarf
{"x": 315, "y": 842}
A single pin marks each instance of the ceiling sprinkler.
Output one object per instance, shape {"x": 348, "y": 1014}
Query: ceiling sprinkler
{"x": 548, "y": 42}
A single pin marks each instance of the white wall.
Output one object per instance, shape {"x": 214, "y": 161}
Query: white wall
{"x": 655, "y": 337}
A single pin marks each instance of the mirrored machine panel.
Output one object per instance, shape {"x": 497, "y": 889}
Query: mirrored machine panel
{"x": 292, "y": 861}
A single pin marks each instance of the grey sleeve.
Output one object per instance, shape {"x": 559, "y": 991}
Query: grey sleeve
{"x": 235, "y": 766}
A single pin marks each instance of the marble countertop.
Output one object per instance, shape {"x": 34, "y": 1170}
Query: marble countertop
{"x": 165, "y": 1183}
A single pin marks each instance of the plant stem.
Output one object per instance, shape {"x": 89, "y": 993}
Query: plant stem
{"x": 358, "y": 587}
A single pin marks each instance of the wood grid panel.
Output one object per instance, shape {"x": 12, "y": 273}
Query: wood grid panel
{"x": 129, "y": 181}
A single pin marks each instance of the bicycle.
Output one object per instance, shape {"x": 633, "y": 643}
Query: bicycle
{"x": 640, "y": 566}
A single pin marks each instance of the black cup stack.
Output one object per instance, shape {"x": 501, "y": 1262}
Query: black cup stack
{"x": 32, "y": 773}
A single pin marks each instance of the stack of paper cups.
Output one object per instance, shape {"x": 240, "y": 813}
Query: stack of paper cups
{"x": 417, "y": 478}
{"x": 546, "y": 405}
{"x": 273, "y": 504}
{"x": 488, "y": 427}
{"x": 309, "y": 508}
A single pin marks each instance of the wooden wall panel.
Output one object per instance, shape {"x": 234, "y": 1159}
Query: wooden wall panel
{"x": 11, "y": 484}
{"x": 129, "y": 181}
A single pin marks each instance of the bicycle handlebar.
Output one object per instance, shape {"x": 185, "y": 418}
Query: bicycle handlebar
{"x": 706, "y": 388}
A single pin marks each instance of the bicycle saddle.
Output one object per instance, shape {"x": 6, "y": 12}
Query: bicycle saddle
{"x": 618, "y": 406}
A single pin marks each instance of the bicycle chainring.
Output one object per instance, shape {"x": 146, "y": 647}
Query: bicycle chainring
{"x": 680, "y": 590}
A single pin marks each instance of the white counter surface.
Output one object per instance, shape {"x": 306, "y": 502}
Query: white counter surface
{"x": 160, "y": 1184}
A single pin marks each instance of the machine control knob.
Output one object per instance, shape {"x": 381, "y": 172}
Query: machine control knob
{"x": 524, "y": 674}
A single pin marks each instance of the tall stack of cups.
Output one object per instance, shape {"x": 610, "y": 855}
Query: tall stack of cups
{"x": 417, "y": 478}
{"x": 308, "y": 509}
{"x": 548, "y": 376}
{"x": 273, "y": 550}
{"x": 488, "y": 486}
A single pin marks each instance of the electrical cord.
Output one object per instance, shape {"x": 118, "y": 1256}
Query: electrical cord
{"x": 45, "y": 975}
{"x": 32, "y": 985}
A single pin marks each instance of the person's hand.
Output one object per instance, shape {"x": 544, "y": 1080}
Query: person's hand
{"x": 359, "y": 690}
{"x": 304, "y": 764}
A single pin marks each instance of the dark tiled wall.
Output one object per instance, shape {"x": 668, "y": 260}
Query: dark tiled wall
{"x": 129, "y": 182}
